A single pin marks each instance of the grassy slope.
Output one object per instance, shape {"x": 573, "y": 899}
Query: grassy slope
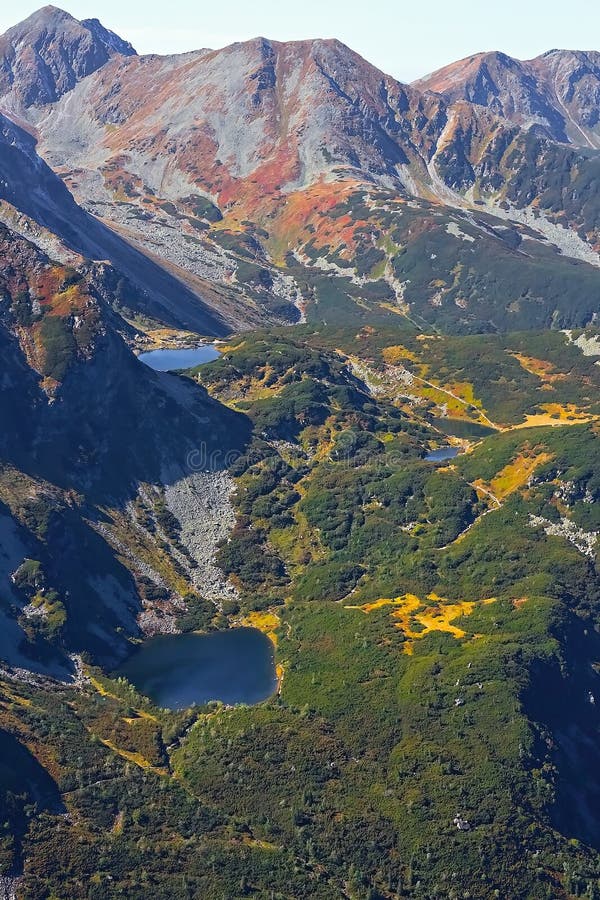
{"x": 347, "y": 783}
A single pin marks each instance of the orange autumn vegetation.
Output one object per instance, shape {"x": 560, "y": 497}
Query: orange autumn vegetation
{"x": 417, "y": 618}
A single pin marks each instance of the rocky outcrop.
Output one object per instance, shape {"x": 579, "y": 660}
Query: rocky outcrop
{"x": 8, "y": 887}
{"x": 45, "y": 56}
{"x": 585, "y": 541}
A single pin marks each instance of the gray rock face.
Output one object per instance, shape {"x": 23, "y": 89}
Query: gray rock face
{"x": 29, "y": 185}
{"x": 46, "y": 55}
{"x": 110, "y": 40}
{"x": 506, "y": 86}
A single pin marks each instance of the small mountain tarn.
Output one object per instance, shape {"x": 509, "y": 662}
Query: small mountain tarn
{"x": 179, "y": 671}
{"x": 181, "y": 358}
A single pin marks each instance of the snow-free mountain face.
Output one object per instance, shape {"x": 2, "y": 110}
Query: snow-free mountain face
{"x": 559, "y": 91}
{"x": 252, "y": 173}
{"x": 254, "y": 120}
{"x": 45, "y": 56}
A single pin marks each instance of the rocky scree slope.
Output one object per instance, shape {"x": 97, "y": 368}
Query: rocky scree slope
{"x": 89, "y": 425}
{"x": 29, "y": 188}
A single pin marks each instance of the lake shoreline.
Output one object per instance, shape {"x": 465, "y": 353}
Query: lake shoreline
{"x": 233, "y": 666}
{"x": 178, "y": 358}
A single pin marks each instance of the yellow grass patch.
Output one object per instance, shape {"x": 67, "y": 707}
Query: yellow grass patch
{"x": 455, "y": 407}
{"x": 164, "y": 338}
{"x": 142, "y": 714}
{"x": 544, "y": 370}
{"x": 377, "y": 604}
{"x": 400, "y": 309}
{"x": 417, "y": 618}
{"x": 516, "y": 474}
{"x": 266, "y": 621}
{"x": 279, "y": 672}
{"x": 135, "y": 758}
{"x": 466, "y": 392}
{"x": 396, "y": 354}
{"x": 101, "y": 689}
{"x": 259, "y": 845}
{"x": 555, "y": 414}
{"x": 15, "y": 698}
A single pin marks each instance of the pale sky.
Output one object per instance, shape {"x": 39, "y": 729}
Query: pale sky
{"x": 406, "y": 40}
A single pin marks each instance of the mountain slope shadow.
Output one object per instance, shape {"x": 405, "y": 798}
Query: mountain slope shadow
{"x": 567, "y": 701}
{"x": 53, "y": 206}
{"x": 23, "y": 782}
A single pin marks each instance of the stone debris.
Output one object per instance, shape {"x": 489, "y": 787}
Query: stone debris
{"x": 8, "y": 887}
{"x": 588, "y": 344}
{"x": 31, "y": 611}
{"x": 201, "y": 502}
{"x": 153, "y": 622}
{"x": 567, "y": 241}
{"x": 454, "y": 229}
{"x": 585, "y": 541}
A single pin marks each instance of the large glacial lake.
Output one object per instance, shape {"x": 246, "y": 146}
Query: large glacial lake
{"x": 179, "y": 670}
{"x": 171, "y": 360}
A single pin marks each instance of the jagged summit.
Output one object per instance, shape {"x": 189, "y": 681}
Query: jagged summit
{"x": 111, "y": 40}
{"x": 45, "y": 56}
{"x": 558, "y": 90}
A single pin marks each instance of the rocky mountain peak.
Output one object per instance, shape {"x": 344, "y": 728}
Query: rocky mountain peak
{"x": 45, "y": 56}
{"x": 558, "y": 91}
{"x": 111, "y": 40}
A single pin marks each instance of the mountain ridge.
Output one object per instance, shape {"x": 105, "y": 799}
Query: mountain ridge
{"x": 554, "y": 89}
{"x": 230, "y": 213}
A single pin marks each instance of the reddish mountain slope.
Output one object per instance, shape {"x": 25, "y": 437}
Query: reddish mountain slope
{"x": 231, "y": 171}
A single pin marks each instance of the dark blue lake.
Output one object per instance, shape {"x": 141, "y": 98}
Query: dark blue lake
{"x": 180, "y": 670}
{"x": 442, "y": 454}
{"x": 169, "y": 360}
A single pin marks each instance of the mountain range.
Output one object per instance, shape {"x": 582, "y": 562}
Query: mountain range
{"x": 391, "y": 469}
{"x": 269, "y": 182}
{"x": 263, "y": 183}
